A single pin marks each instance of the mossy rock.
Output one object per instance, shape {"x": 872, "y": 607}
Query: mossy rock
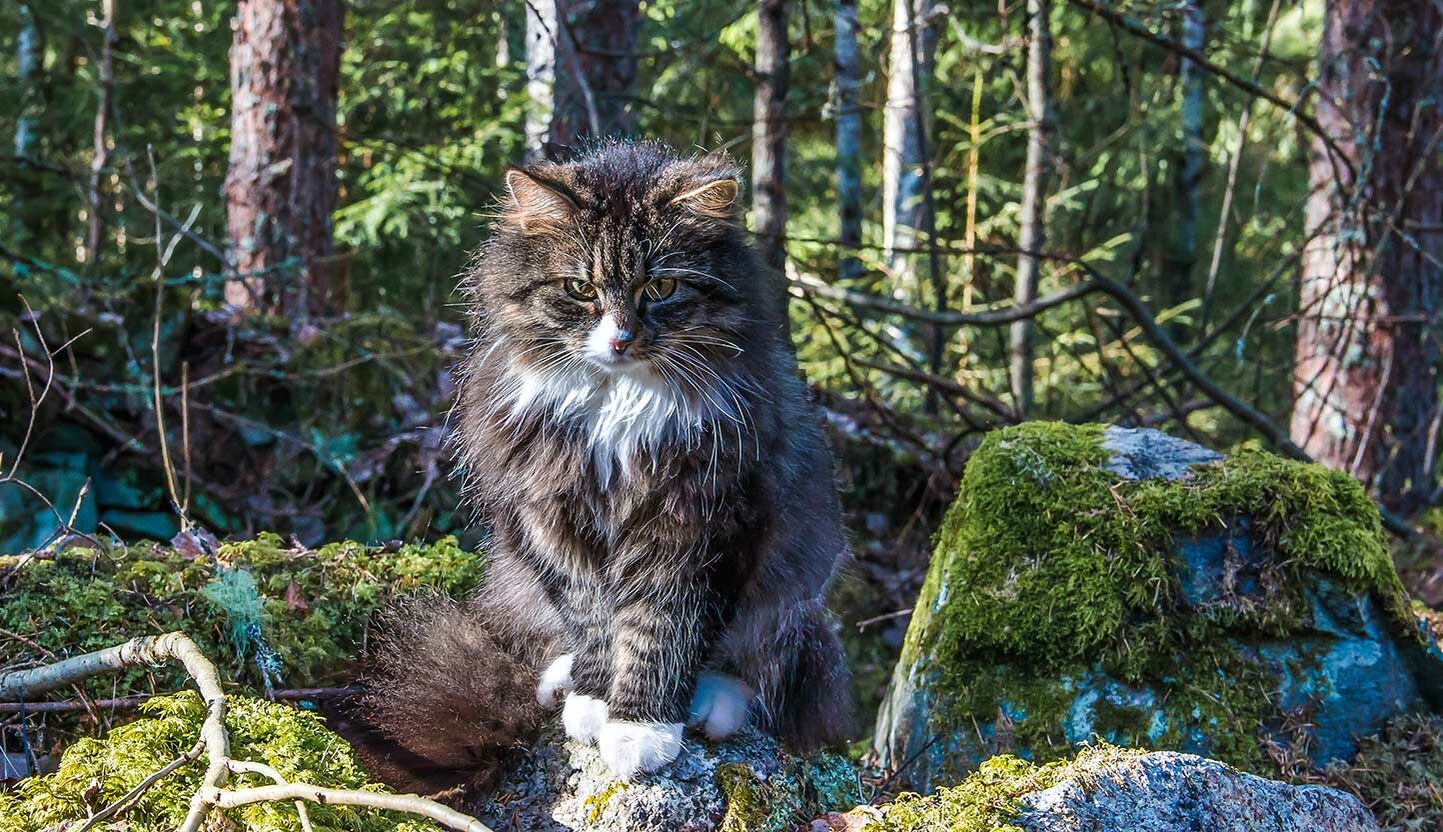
{"x": 303, "y": 612}
{"x": 1094, "y": 582}
{"x": 1108, "y": 789}
{"x": 746, "y": 784}
{"x": 96, "y": 773}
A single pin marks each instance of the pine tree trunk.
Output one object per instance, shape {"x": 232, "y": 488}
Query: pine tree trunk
{"x": 769, "y": 132}
{"x": 100, "y": 138}
{"x": 849, "y": 139}
{"x": 1178, "y": 281}
{"x": 280, "y": 190}
{"x": 1032, "y": 234}
{"x": 1366, "y": 374}
{"x": 581, "y": 65}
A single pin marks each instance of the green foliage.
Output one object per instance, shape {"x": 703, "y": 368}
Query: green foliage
{"x": 1048, "y": 566}
{"x": 313, "y": 606}
{"x": 95, "y": 773}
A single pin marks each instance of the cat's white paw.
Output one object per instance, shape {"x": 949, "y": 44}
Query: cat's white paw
{"x": 555, "y": 680}
{"x": 633, "y": 747}
{"x": 720, "y": 705}
{"x": 583, "y": 716}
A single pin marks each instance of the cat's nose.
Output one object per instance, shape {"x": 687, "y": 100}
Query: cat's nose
{"x": 621, "y": 341}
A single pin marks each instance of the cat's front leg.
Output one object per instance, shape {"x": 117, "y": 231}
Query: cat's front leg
{"x": 587, "y": 667}
{"x": 660, "y": 639}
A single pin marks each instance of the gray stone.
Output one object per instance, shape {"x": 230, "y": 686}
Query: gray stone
{"x": 1171, "y": 792}
{"x": 563, "y": 786}
{"x": 1147, "y": 453}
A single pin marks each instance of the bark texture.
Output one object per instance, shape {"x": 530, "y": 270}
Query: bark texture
{"x": 849, "y": 138}
{"x": 100, "y": 160}
{"x": 580, "y": 65}
{"x": 28, "y": 55}
{"x": 1365, "y": 383}
{"x": 1032, "y": 235}
{"x": 281, "y": 186}
{"x": 1178, "y": 281}
{"x": 769, "y": 132}
{"x": 904, "y": 174}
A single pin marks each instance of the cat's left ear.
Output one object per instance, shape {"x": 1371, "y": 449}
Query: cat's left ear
{"x": 536, "y": 202}
{"x": 716, "y": 198}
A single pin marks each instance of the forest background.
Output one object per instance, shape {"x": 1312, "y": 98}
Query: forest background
{"x": 230, "y": 235}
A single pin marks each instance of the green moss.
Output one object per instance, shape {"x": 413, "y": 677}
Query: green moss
{"x": 95, "y": 773}
{"x": 746, "y": 804}
{"x": 314, "y": 605}
{"x": 1049, "y": 568}
{"x": 988, "y": 799}
{"x": 804, "y": 788}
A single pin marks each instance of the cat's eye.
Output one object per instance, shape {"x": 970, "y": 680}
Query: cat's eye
{"x": 580, "y": 289}
{"x": 660, "y": 289}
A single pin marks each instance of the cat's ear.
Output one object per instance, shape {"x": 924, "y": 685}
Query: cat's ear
{"x": 716, "y": 198}
{"x": 535, "y": 202}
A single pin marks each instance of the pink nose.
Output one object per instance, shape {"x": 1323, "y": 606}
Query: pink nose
{"x": 622, "y": 341}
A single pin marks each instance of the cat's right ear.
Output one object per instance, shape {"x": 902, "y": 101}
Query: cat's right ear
{"x": 535, "y": 202}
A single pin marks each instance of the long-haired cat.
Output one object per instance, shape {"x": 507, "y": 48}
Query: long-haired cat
{"x": 663, "y": 518}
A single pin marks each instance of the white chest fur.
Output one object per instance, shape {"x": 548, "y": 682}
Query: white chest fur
{"x": 621, "y": 414}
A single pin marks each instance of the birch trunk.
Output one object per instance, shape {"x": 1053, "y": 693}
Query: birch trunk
{"x": 28, "y": 52}
{"x": 769, "y": 132}
{"x": 580, "y": 68}
{"x": 100, "y": 136}
{"x": 849, "y": 139}
{"x": 1032, "y": 235}
{"x": 904, "y": 202}
{"x": 1366, "y": 371}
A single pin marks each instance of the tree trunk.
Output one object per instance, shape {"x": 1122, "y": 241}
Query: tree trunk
{"x": 849, "y": 139}
{"x": 904, "y": 203}
{"x": 580, "y": 67}
{"x": 28, "y": 52}
{"x": 769, "y": 132}
{"x": 281, "y": 187}
{"x": 1178, "y": 281}
{"x": 1365, "y": 384}
{"x": 1032, "y": 234}
{"x": 100, "y": 159}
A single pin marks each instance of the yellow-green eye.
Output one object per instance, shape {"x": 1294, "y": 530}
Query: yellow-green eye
{"x": 580, "y": 289}
{"x": 660, "y": 289}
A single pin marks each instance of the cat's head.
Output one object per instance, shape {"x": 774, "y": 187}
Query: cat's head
{"x": 630, "y": 260}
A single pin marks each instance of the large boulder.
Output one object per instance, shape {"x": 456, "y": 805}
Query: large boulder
{"x": 1095, "y": 582}
{"x": 747, "y": 784}
{"x": 1115, "y": 790}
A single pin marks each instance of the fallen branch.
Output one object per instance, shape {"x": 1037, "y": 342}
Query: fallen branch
{"x": 211, "y": 794}
{"x": 125, "y": 703}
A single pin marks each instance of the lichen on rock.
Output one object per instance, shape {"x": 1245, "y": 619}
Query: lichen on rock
{"x": 95, "y": 773}
{"x": 1108, "y": 789}
{"x": 1097, "y": 583}
{"x": 746, "y": 784}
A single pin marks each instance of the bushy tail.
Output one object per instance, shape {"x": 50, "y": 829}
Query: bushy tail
{"x": 451, "y": 691}
{"x": 806, "y": 690}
